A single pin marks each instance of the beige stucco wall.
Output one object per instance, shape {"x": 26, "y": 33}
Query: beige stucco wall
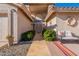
{"x": 51, "y": 23}
{"x": 3, "y": 28}
{"x": 62, "y": 24}
{"x": 24, "y": 24}
{"x": 20, "y": 22}
{"x": 6, "y": 8}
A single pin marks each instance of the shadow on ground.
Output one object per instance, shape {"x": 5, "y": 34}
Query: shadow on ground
{"x": 70, "y": 41}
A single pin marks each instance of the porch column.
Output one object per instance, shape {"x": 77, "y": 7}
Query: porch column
{"x": 13, "y": 25}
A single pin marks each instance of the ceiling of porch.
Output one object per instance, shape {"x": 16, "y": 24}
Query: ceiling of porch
{"x": 39, "y": 10}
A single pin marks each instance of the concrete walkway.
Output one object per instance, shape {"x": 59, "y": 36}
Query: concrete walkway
{"x": 39, "y": 47}
{"x": 54, "y": 50}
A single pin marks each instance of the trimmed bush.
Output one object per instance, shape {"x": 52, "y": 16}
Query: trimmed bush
{"x": 43, "y": 31}
{"x": 49, "y": 35}
{"x": 27, "y": 36}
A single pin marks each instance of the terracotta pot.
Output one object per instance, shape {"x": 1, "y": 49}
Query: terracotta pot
{"x": 10, "y": 41}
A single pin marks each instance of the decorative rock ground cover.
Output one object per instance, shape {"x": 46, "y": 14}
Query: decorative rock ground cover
{"x": 15, "y": 50}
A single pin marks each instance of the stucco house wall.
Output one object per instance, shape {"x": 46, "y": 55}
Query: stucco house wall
{"x": 24, "y": 24}
{"x": 6, "y": 30}
{"x": 52, "y": 23}
{"x": 20, "y": 22}
{"x": 62, "y": 25}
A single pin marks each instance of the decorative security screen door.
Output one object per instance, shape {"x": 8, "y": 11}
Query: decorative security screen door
{"x": 38, "y": 27}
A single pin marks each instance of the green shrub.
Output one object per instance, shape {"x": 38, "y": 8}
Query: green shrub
{"x": 43, "y": 31}
{"x": 27, "y": 36}
{"x": 49, "y": 35}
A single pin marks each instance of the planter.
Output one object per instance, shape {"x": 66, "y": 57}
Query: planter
{"x": 10, "y": 40}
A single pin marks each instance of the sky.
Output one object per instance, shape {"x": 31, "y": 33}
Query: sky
{"x": 67, "y": 4}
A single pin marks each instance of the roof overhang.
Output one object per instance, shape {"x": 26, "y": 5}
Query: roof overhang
{"x": 67, "y": 9}
{"x": 23, "y": 9}
{"x": 38, "y": 8}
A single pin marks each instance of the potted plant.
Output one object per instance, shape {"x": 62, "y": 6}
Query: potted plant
{"x": 10, "y": 40}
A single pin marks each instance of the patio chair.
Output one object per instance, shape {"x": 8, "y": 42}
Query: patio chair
{"x": 67, "y": 35}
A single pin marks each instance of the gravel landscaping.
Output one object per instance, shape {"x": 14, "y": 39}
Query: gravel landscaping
{"x": 15, "y": 50}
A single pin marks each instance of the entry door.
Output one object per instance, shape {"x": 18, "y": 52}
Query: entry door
{"x": 38, "y": 28}
{"x": 3, "y": 28}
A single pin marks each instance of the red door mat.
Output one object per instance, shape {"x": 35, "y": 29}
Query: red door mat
{"x": 64, "y": 49}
